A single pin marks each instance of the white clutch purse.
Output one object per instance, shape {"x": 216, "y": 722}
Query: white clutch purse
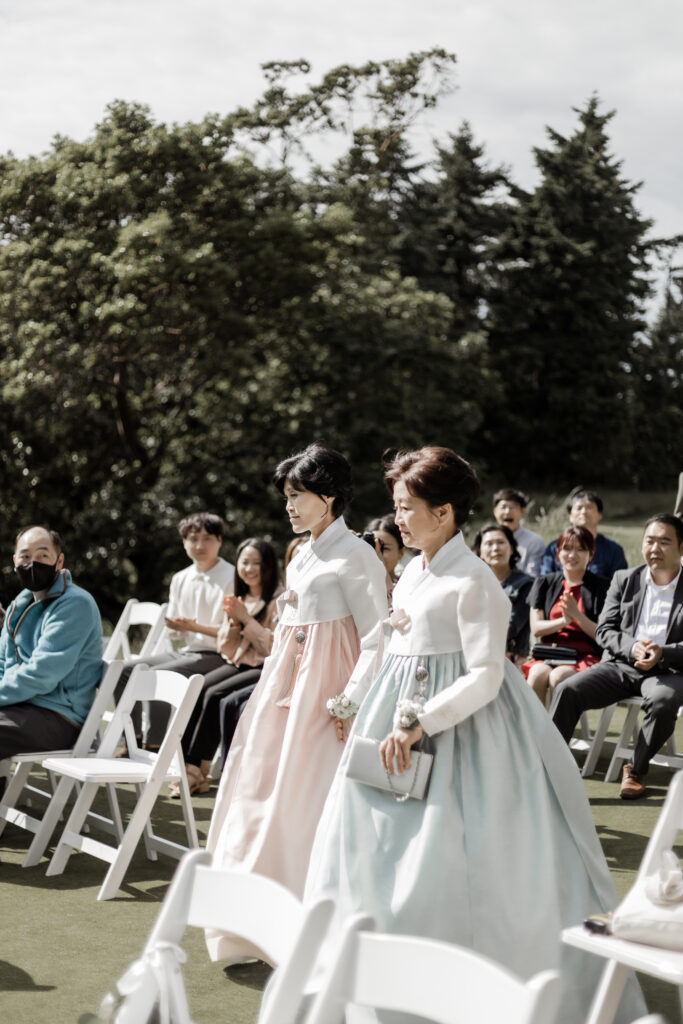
{"x": 365, "y": 766}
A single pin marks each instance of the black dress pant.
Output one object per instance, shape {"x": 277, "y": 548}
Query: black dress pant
{"x": 611, "y": 681}
{"x": 25, "y": 728}
{"x": 203, "y": 733}
{"x": 231, "y": 708}
{"x": 206, "y": 663}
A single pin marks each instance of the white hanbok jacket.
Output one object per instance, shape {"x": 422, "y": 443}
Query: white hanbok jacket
{"x": 453, "y": 604}
{"x": 333, "y": 577}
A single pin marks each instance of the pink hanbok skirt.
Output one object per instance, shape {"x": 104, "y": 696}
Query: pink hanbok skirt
{"x": 281, "y": 764}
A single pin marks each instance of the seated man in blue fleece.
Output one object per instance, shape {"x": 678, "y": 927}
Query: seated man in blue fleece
{"x": 50, "y": 651}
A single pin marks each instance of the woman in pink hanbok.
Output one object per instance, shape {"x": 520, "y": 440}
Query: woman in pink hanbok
{"x": 285, "y": 751}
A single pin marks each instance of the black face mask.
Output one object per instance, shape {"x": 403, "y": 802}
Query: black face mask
{"x": 36, "y": 575}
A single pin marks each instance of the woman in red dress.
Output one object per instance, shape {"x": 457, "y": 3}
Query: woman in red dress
{"x": 564, "y": 610}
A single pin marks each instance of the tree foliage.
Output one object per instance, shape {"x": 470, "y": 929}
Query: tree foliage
{"x": 182, "y": 306}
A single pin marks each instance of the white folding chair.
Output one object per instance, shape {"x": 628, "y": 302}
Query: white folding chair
{"x": 138, "y": 613}
{"x": 625, "y": 746}
{"x": 597, "y": 741}
{"x": 18, "y": 785}
{"x": 443, "y": 983}
{"x": 147, "y": 771}
{"x": 255, "y": 908}
{"x": 623, "y": 955}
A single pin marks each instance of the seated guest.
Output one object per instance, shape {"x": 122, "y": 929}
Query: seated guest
{"x": 641, "y": 631}
{"x": 496, "y": 545}
{"x": 50, "y": 650}
{"x": 195, "y": 612}
{"x": 509, "y": 506}
{"x": 564, "y": 610}
{"x": 391, "y": 548}
{"x": 585, "y": 509}
{"x": 292, "y": 548}
{"x": 244, "y": 641}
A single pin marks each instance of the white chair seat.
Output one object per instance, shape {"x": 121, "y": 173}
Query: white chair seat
{"x": 665, "y": 964}
{"x": 144, "y": 769}
{"x": 113, "y": 769}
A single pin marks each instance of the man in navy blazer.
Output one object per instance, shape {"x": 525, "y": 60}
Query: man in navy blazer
{"x": 641, "y": 632}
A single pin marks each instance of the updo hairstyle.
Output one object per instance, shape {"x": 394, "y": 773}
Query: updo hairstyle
{"x": 509, "y": 537}
{"x": 320, "y": 470}
{"x": 438, "y": 476}
{"x": 580, "y": 534}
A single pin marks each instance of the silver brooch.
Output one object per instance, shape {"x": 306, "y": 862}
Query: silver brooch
{"x": 421, "y": 674}
{"x": 300, "y": 636}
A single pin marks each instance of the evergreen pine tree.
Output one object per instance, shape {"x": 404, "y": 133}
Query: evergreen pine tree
{"x": 565, "y": 309}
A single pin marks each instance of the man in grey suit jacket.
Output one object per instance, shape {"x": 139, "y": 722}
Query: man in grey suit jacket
{"x": 641, "y": 632}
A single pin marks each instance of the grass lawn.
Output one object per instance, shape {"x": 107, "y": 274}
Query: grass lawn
{"x": 62, "y": 950}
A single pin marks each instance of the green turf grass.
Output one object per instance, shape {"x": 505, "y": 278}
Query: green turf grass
{"x": 62, "y": 950}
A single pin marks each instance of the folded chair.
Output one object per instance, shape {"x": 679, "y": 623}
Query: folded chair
{"x": 442, "y": 983}
{"x": 622, "y": 955}
{"x": 146, "y": 770}
{"x": 18, "y": 785}
{"x": 259, "y": 910}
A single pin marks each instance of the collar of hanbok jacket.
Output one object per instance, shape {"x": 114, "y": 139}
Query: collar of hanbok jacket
{"x": 447, "y": 553}
{"x": 313, "y": 549}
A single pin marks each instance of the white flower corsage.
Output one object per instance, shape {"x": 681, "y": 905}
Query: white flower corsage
{"x": 405, "y": 716}
{"x": 342, "y": 706}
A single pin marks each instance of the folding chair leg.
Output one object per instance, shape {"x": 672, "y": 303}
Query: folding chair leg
{"x": 73, "y": 826}
{"x": 610, "y": 990}
{"x": 52, "y": 815}
{"x": 115, "y": 811}
{"x": 188, "y": 812}
{"x": 598, "y": 741}
{"x": 622, "y": 751}
{"x": 131, "y": 837}
{"x": 148, "y": 833}
{"x": 16, "y": 783}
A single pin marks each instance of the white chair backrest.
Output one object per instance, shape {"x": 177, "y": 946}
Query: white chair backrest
{"x": 105, "y": 693}
{"x": 664, "y": 834}
{"x": 146, "y": 684}
{"x": 137, "y": 613}
{"x": 250, "y": 906}
{"x": 443, "y": 983}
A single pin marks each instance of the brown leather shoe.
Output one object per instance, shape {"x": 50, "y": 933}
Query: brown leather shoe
{"x": 632, "y": 785}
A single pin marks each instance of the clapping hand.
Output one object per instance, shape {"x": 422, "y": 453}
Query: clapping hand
{"x": 181, "y": 625}
{"x": 570, "y": 608}
{"x": 236, "y": 608}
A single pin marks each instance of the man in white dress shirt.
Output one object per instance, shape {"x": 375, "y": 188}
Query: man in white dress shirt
{"x": 509, "y": 507}
{"x": 195, "y": 611}
{"x": 641, "y": 633}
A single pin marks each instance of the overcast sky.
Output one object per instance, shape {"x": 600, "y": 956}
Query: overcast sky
{"x": 522, "y": 65}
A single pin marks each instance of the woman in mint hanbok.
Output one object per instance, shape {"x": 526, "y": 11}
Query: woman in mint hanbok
{"x": 502, "y": 853}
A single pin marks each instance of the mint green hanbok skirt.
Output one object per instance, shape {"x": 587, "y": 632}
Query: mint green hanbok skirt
{"x": 500, "y": 856}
